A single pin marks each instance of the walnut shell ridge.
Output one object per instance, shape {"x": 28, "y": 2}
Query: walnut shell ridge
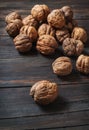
{"x": 12, "y": 16}
{"x": 79, "y": 34}
{"x": 62, "y": 66}
{"x": 72, "y": 47}
{"x": 22, "y": 43}
{"x": 46, "y": 44}
{"x": 82, "y": 64}
{"x": 44, "y": 92}
{"x": 56, "y": 19}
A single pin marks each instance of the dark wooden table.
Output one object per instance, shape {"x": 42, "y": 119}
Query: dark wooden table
{"x": 19, "y": 72}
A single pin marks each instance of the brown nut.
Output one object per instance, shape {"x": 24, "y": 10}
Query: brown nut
{"x": 40, "y": 12}
{"x": 62, "y": 34}
{"x": 13, "y": 28}
{"x": 46, "y": 29}
{"x": 22, "y": 43}
{"x": 29, "y": 31}
{"x": 46, "y": 44}
{"x": 44, "y": 92}
{"x": 72, "y": 47}
{"x": 82, "y": 64}
{"x": 62, "y": 66}
{"x": 68, "y": 12}
{"x": 12, "y": 16}
{"x": 70, "y": 25}
{"x": 56, "y": 19}
{"x": 29, "y": 20}
{"x": 79, "y": 34}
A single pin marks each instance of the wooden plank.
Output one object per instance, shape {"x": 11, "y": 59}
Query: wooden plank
{"x": 49, "y": 121}
{"x": 16, "y": 102}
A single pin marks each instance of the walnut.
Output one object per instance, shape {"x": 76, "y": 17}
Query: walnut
{"x": 62, "y": 34}
{"x": 12, "y": 16}
{"x": 82, "y": 64}
{"x": 13, "y": 28}
{"x": 44, "y": 92}
{"x": 29, "y": 20}
{"x": 40, "y": 12}
{"x": 70, "y": 25}
{"x": 79, "y": 34}
{"x": 46, "y": 44}
{"x": 72, "y": 47}
{"x": 56, "y": 19}
{"x": 29, "y": 31}
{"x": 46, "y": 29}
{"x": 68, "y": 12}
{"x": 22, "y": 43}
{"x": 62, "y": 66}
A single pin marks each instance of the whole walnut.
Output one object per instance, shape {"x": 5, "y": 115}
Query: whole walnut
{"x": 13, "y": 28}
{"x": 46, "y": 44}
{"x": 62, "y": 34}
{"x": 62, "y": 66}
{"x": 29, "y": 31}
{"x": 22, "y": 43}
{"x": 44, "y": 92}
{"x": 46, "y": 29}
{"x": 56, "y": 19}
{"x": 79, "y": 34}
{"x": 71, "y": 24}
{"x": 29, "y": 20}
{"x": 82, "y": 64}
{"x": 12, "y": 16}
{"x": 40, "y": 12}
{"x": 72, "y": 47}
{"x": 68, "y": 12}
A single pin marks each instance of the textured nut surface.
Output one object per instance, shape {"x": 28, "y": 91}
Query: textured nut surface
{"x": 68, "y": 12}
{"x": 40, "y": 12}
{"x": 46, "y": 29}
{"x": 56, "y": 19}
{"x": 79, "y": 34}
{"x": 71, "y": 24}
{"x": 62, "y": 66}
{"x": 29, "y": 31}
{"x": 62, "y": 34}
{"x": 46, "y": 44}
{"x": 13, "y": 28}
{"x": 22, "y": 43}
{"x": 44, "y": 92}
{"x": 12, "y": 16}
{"x": 72, "y": 47}
{"x": 82, "y": 64}
{"x": 29, "y": 20}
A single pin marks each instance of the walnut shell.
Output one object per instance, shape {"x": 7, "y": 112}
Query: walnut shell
{"x": 46, "y": 44}
{"x": 56, "y": 19}
{"x": 13, "y": 28}
{"x": 29, "y": 20}
{"x": 62, "y": 34}
{"x": 68, "y": 12}
{"x": 29, "y": 31}
{"x": 44, "y": 92}
{"x": 12, "y": 16}
{"x": 79, "y": 34}
{"x": 40, "y": 12}
{"x": 46, "y": 29}
{"x": 71, "y": 24}
{"x": 62, "y": 66}
{"x": 22, "y": 43}
{"x": 72, "y": 47}
{"x": 82, "y": 64}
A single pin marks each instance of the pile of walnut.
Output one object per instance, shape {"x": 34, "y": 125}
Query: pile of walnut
{"x": 49, "y": 29}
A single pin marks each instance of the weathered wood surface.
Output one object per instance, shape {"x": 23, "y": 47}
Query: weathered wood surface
{"x": 19, "y": 72}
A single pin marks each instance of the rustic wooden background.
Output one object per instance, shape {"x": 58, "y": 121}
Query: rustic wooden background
{"x": 19, "y": 72}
